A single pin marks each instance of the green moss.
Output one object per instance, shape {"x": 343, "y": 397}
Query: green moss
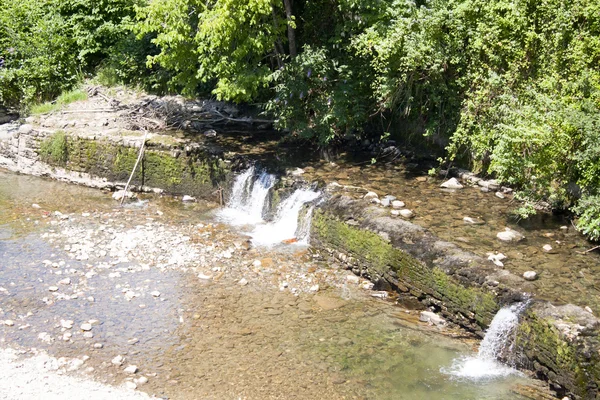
{"x": 381, "y": 257}
{"x": 573, "y": 369}
{"x": 195, "y": 174}
{"x": 54, "y": 149}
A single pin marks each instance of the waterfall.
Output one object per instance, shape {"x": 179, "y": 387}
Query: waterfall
{"x": 497, "y": 344}
{"x": 285, "y": 226}
{"x": 249, "y": 200}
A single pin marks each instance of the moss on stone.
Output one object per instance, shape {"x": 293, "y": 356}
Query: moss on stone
{"x": 381, "y": 257}
{"x": 54, "y": 149}
{"x": 195, "y": 174}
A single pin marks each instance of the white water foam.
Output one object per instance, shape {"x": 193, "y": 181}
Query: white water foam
{"x": 498, "y": 341}
{"x": 248, "y": 198}
{"x": 285, "y": 225}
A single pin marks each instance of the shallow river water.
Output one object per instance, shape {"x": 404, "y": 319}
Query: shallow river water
{"x": 161, "y": 286}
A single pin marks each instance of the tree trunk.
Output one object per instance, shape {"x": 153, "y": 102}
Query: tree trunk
{"x": 291, "y": 32}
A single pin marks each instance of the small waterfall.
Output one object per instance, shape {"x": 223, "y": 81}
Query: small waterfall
{"x": 247, "y": 204}
{"x": 497, "y": 344}
{"x": 248, "y": 198}
{"x": 285, "y": 226}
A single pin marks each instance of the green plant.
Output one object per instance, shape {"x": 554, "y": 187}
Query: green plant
{"x": 588, "y": 209}
{"x": 63, "y": 99}
{"x": 54, "y": 149}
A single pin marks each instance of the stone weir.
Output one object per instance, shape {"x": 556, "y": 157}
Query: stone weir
{"x": 560, "y": 343}
{"x": 175, "y": 165}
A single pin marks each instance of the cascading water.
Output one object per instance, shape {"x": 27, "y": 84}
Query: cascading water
{"x": 285, "y": 225}
{"x": 248, "y": 198}
{"x": 497, "y": 343}
{"x": 246, "y": 206}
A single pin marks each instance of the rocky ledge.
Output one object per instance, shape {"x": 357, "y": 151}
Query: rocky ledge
{"x": 559, "y": 343}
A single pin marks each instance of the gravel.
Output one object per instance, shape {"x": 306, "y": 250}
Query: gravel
{"x": 41, "y": 376}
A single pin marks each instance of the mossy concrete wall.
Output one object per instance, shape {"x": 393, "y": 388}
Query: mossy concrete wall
{"x": 104, "y": 162}
{"x": 561, "y": 347}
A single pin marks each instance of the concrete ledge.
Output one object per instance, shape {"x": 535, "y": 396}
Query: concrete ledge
{"x": 559, "y": 343}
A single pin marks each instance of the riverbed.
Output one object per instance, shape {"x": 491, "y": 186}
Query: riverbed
{"x": 161, "y": 297}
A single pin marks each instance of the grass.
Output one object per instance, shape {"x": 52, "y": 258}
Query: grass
{"x": 62, "y": 100}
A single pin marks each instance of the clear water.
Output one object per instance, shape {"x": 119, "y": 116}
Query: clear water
{"x": 365, "y": 349}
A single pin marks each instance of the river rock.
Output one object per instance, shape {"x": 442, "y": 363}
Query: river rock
{"x": 432, "y": 318}
{"x": 352, "y": 279}
{"x": 370, "y": 196}
{"x": 66, "y": 323}
{"x": 397, "y": 204}
{"x": 530, "y": 275}
{"x": 510, "y": 235}
{"x": 497, "y": 258}
{"x": 387, "y": 200}
{"x": 118, "y": 360}
{"x": 131, "y": 369}
{"x": 328, "y": 303}
{"x": 86, "y": 327}
{"x": 119, "y": 194}
{"x": 473, "y": 221}
{"x": 188, "y": 199}
{"x": 547, "y": 248}
{"x": 500, "y": 195}
{"x": 395, "y": 213}
{"x": 452, "y": 183}
{"x": 406, "y": 213}
{"x": 9, "y": 322}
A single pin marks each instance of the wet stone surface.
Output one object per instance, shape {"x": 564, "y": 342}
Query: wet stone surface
{"x": 157, "y": 297}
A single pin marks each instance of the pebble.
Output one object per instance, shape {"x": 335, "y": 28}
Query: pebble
{"x": 187, "y": 198}
{"x": 397, "y": 204}
{"x": 497, "y": 258}
{"x": 66, "y": 281}
{"x": 204, "y": 277}
{"x": 9, "y": 322}
{"x": 130, "y": 385}
{"x": 588, "y": 309}
{"x": 155, "y": 293}
{"x": 243, "y": 282}
{"x": 432, "y": 318}
{"x": 118, "y": 360}
{"x": 141, "y": 380}
{"x": 452, "y": 183}
{"x": 547, "y": 247}
{"x": 86, "y": 326}
{"x": 530, "y": 275}
{"x": 370, "y": 196}
{"x": 36, "y": 206}
{"x": 395, "y": 212}
{"x": 53, "y": 288}
{"x": 406, "y": 213}
{"x": 473, "y": 221}
{"x": 131, "y": 369}
{"x": 67, "y": 336}
{"x": 256, "y": 263}
{"x": 510, "y": 235}
{"x": 352, "y": 279}
{"x": 98, "y": 345}
{"x": 500, "y": 195}
{"x": 66, "y": 323}
{"x": 88, "y": 335}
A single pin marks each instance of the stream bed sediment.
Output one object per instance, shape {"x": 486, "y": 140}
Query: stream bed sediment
{"x": 199, "y": 314}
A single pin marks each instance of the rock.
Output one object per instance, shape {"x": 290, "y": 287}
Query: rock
{"x": 141, "y": 380}
{"x": 510, "y": 235}
{"x": 98, "y": 345}
{"x": 314, "y": 288}
{"x": 352, "y": 279}
{"x": 256, "y": 263}
{"x": 370, "y": 196}
{"x": 395, "y": 213}
{"x": 547, "y": 247}
{"x": 500, "y": 195}
{"x": 88, "y": 335}
{"x": 328, "y": 303}
{"x": 118, "y": 360}
{"x": 66, "y": 281}
{"x": 497, "y": 258}
{"x": 452, "y": 183}
{"x": 9, "y": 322}
{"x": 37, "y": 206}
{"x": 296, "y": 172}
{"x": 130, "y": 385}
{"x": 188, "y": 199}
{"x": 66, "y": 323}
{"x": 53, "y": 288}
{"x": 432, "y": 318}
{"x": 131, "y": 369}
{"x": 588, "y": 309}
{"x": 397, "y": 204}
{"x": 25, "y": 129}
{"x": 406, "y": 213}
{"x": 210, "y": 133}
{"x": 473, "y": 221}
{"x": 387, "y": 200}
{"x": 204, "y": 277}
{"x": 67, "y": 336}
{"x": 243, "y": 282}
{"x": 155, "y": 293}
{"x": 86, "y": 326}
{"x": 119, "y": 194}
{"x": 530, "y": 275}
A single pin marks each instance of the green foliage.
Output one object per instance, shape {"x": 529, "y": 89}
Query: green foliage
{"x": 588, "y": 223}
{"x": 224, "y": 43}
{"x": 316, "y": 97}
{"x": 47, "y": 45}
{"x": 54, "y": 149}
{"x": 62, "y": 100}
